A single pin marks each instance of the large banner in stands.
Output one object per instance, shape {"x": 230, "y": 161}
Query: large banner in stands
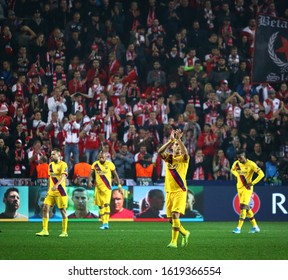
{"x": 270, "y": 61}
{"x": 268, "y": 203}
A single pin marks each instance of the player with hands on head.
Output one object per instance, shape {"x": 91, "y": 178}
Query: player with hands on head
{"x": 102, "y": 171}
{"x": 175, "y": 184}
{"x": 243, "y": 169}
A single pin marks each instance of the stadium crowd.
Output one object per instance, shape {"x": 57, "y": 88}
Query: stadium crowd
{"x": 86, "y": 75}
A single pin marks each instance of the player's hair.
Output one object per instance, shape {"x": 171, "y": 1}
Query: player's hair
{"x": 56, "y": 149}
{"x": 13, "y": 189}
{"x": 240, "y": 152}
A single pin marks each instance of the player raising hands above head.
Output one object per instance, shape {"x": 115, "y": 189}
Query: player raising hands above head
{"x": 175, "y": 184}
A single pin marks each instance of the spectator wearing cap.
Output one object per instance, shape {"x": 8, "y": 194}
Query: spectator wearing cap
{"x": 4, "y": 158}
{"x": 19, "y": 161}
{"x": 141, "y": 110}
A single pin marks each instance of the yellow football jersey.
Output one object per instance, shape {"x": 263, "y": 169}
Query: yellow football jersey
{"x": 244, "y": 172}
{"x": 176, "y": 170}
{"x": 103, "y": 174}
{"x": 55, "y": 172}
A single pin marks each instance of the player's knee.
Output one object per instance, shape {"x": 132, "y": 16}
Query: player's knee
{"x": 244, "y": 207}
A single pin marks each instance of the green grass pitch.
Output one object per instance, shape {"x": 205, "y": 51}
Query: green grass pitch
{"x": 143, "y": 241}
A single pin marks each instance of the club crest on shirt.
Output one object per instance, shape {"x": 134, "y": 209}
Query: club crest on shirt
{"x": 172, "y": 166}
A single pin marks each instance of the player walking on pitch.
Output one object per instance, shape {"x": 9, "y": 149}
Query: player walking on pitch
{"x": 56, "y": 194}
{"x": 175, "y": 185}
{"x": 102, "y": 170}
{"x": 243, "y": 169}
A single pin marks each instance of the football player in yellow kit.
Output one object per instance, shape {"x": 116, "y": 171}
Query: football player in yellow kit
{"x": 175, "y": 184}
{"x": 103, "y": 170}
{"x": 243, "y": 169}
{"x": 57, "y": 193}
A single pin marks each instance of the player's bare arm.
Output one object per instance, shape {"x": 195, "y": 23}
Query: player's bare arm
{"x": 90, "y": 179}
{"x": 115, "y": 175}
{"x": 167, "y": 145}
{"x": 178, "y": 136}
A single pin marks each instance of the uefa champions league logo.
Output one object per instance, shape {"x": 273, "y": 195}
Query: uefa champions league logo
{"x": 254, "y": 203}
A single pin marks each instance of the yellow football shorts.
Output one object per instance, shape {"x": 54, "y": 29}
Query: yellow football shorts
{"x": 244, "y": 195}
{"x": 102, "y": 197}
{"x": 175, "y": 202}
{"x": 60, "y": 201}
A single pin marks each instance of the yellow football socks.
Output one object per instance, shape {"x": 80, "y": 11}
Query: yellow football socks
{"x": 45, "y": 223}
{"x": 64, "y": 225}
{"x": 175, "y": 230}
